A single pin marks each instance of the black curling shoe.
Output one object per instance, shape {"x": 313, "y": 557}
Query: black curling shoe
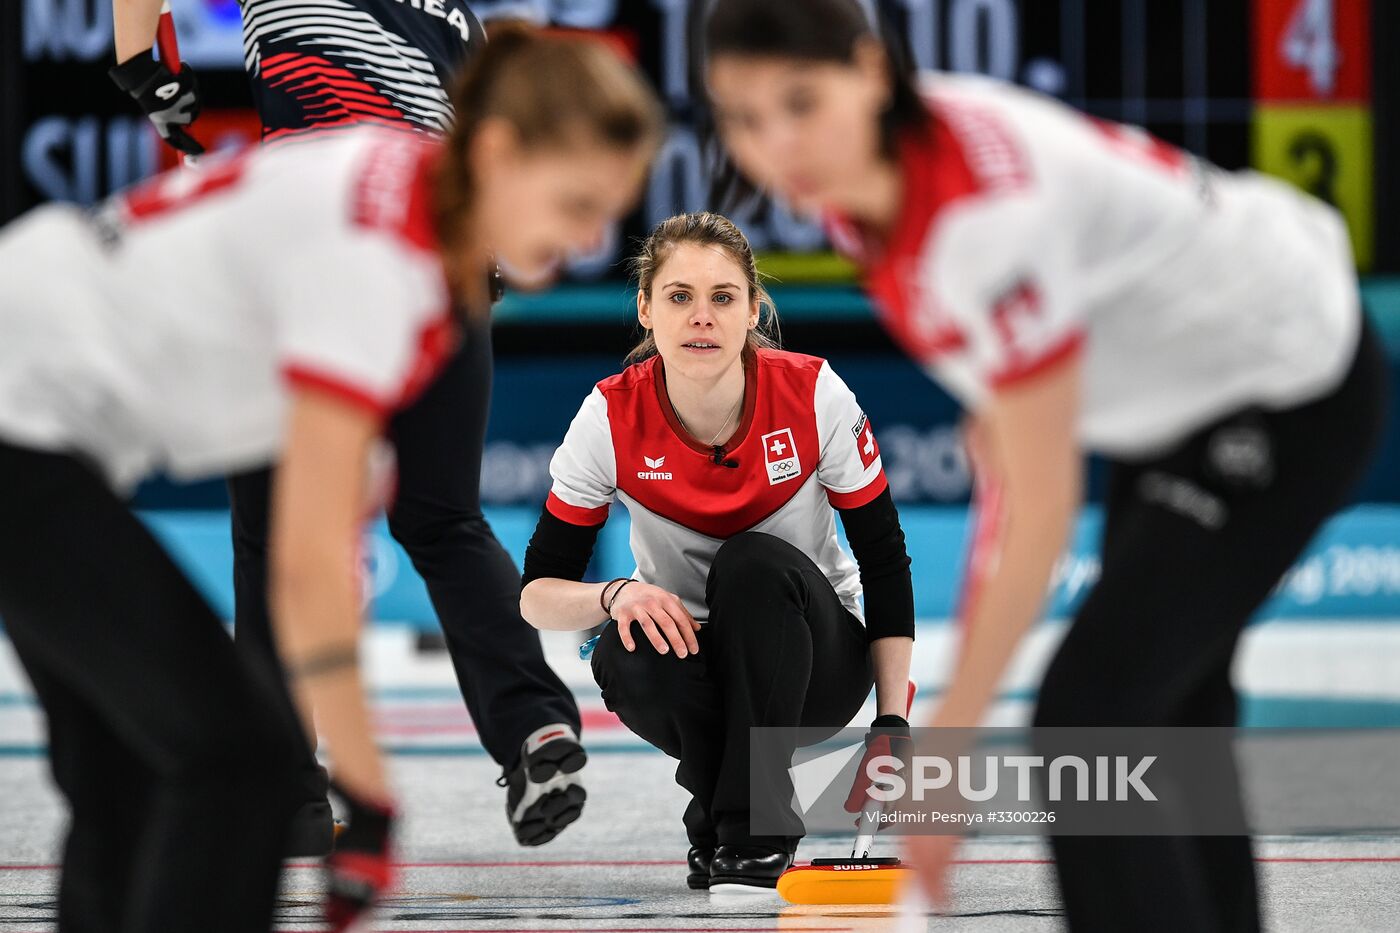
{"x": 738, "y": 869}
{"x": 544, "y": 792}
{"x": 699, "y": 859}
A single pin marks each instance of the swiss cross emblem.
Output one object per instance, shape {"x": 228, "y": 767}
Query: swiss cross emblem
{"x": 780, "y": 456}
{"x": 865, "y": 441}
{"x": 1017, "y": 316}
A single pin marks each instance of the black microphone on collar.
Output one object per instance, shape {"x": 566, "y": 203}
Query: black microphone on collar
{"x": 720, "y": 461}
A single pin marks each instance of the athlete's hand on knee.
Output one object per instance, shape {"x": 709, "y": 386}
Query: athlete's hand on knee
{"x": 359, "y": 871}
{"x": 660, "y": 615}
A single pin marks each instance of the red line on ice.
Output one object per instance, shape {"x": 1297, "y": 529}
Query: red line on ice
{"x": 1329, "y": 859}
{"x": 582, "y": 863}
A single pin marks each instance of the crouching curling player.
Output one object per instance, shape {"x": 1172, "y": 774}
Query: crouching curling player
{"x": 733, "y": 458}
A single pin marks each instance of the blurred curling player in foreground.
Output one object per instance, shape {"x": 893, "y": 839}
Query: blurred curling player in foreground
{"x": 318, "y": 68}
{"x": 1081, "y": 286}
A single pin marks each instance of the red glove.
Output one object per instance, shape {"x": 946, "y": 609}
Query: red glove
{"x": 888, "y": 735}
{"x": 359, "y": 871}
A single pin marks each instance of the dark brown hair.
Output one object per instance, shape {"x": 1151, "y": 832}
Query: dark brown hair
{"x": 704, "y": 229}
{"x": 555, "y": 91}
{"x": 818, "y": 31}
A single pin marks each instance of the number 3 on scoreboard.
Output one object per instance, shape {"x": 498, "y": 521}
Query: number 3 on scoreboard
{"x": 1310, "y": 43}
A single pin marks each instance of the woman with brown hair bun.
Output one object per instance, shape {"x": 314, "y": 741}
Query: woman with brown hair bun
{"x": 733, "y": 458}
{"x": 276, "y": 305}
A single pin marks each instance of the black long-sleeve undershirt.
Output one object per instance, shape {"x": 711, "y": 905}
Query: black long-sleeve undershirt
{"x": 559, "y": 550}
{"x": 562, "y": 551}
{"x": 877, "y": 544}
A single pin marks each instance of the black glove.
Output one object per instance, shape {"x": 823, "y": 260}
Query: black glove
{"x": 359, "y": 870}
{"x": 888, "y": 724}
{"x": 170, "y": 100}
{"x": 888, "y": 735}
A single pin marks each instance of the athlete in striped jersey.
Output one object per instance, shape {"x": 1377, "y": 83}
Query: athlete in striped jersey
{"x": 314, "y": 65}
{"x": 319, "y": 66}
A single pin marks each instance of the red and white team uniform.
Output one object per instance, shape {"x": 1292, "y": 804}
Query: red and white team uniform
{"x": 164, "y": 331}
{"x": 803, "y": 448}
{"x": 1030, "y": 232}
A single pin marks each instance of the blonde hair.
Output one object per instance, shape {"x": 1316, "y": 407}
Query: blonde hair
{"x": 553, "y": 90}
{"x": 704, "y": 229}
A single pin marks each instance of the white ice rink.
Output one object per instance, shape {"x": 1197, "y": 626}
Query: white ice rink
{"x": 621, "y": 868}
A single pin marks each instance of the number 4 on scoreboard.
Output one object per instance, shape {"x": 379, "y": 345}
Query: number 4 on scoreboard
{"x": 1310, "y": 43}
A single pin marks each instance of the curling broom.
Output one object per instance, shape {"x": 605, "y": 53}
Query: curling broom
{"x": 862, "y": 879}
{"x": 169, "y": 47}
{"x": 166, "y": 41}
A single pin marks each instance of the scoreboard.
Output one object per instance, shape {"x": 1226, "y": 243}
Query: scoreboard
{"x": 1313, "y": 121}
{"x": 1284, "y": 85}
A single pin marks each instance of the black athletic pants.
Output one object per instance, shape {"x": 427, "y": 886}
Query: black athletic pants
{"x": 174, "y": 753}
{"x": 474, "y": 584}
{"x": 1193, "y": 543}
{"x": 779, "y": 649}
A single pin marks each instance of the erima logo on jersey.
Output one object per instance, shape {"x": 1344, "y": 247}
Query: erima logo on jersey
{"x": 652, "y": 467}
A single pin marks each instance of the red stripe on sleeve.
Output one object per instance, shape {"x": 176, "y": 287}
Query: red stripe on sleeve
{"x": 854, "y": 500}
{"x": 304, "y": 377}
{"x": 1022, "y": 370}
{"x": 573, "y": 514}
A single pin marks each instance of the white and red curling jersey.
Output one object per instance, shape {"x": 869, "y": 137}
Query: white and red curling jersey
{"x": 164, "y": 330}
{"x": 803, "y": 446}
{"x": 1030, "y": 231}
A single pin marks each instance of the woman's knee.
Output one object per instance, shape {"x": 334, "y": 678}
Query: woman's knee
{"x": 663, "y": 699}
{"x": 425, "y": 527}
{"x": 753, "y": 560}
{"x": 642, "y": 676}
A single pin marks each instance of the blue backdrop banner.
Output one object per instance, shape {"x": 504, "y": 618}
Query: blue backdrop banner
{"x": 1352, "y": 571}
